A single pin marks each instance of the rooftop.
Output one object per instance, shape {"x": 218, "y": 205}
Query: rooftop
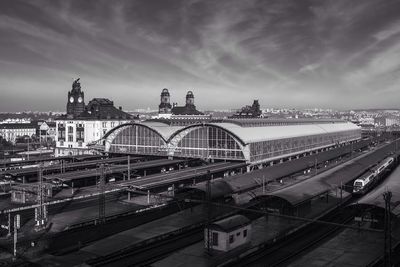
{"x": 231, "y": 223}
{"x": 186, "y": 110}
{"x": 101, "y": 109}
{"x": 18, "y": 126}
{"x": 247, "y": 133}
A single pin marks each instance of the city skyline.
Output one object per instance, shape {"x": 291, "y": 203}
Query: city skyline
{"x": 329, "y": 54}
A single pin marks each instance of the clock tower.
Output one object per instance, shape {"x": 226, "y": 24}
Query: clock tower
{"x": 76, "y": 103}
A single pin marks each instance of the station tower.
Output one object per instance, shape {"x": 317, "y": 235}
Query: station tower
{"x": 189, "y": 98}
{"x": 76, "y": 100}
{"x": 165, "y": 105}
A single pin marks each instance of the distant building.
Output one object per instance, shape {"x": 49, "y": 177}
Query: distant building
{"x": 229, "y": 233}
{"x": 387, "y": 121}
{"x": 83, "y": 125}
{"x": 252, "y": 111}
{"x": 11, "y": 131}
{"x": 367, "y": 121}
{"x": 47, "y": 130}
{"x": 15, "y": 120}
{"x": 28, "y": 192}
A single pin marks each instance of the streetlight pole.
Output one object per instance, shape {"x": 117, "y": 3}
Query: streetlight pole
{"x": 387, "y": 196}
{"x": 16, "y": 227}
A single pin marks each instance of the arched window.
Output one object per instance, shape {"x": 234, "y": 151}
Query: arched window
{"x": 137, "y": 139}
{"x": 209, "y": 142}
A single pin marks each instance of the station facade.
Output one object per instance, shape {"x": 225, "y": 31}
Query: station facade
{"x": 229, "y": 140}
{"x": 84, "y": 124}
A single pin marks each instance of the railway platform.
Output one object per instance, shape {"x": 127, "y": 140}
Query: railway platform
{"x": 268, "y": 230}
{"x": 351, "y": 248}
{"x": 129, "y": 238}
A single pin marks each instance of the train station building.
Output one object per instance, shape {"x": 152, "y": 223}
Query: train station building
{"x": 255, "y": 141}
{"x": 84, "y": 124}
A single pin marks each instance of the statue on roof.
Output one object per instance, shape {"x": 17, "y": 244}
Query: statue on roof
{"x": 76, "y": 85}
{"x": 76, "y": 82}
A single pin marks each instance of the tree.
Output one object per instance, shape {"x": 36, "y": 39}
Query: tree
{"x": 4, "y": 144}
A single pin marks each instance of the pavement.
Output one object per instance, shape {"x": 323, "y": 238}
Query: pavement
{"x": 350, "y": 248}
{"x": 62, "y": 220}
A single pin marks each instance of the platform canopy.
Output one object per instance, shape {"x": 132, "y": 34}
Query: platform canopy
{"x": 330, "y": 180}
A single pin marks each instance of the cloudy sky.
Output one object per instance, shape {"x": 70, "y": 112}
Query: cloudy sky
{"x": 333, "y": 53}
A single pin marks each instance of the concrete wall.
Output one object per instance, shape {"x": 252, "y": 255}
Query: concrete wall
{"x": 224, "y": 238}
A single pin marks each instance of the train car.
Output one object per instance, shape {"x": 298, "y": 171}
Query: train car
{"x": 8, "y": 168}
{"x": 30, "y": 166}
{"x": 374, "y": 175}
{"x": 361, "y": 185}
{"x": 58, "y": 184}
{"x": 383, "y": 165}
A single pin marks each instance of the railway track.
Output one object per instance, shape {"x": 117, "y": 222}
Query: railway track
{"x": 285, "y": 250}
{"x": 145, "y": 254}
{"x": 149, "y": 251}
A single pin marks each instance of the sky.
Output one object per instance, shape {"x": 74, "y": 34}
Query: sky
{"x": 337, "y": 54}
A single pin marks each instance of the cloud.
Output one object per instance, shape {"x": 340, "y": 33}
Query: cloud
{"x": 309, "y": 68}
{"x": 282, "y": 52}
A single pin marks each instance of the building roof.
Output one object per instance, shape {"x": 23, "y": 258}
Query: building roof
{"x": 219, "y": 188}
{"x": 165, "y": 92}
{"x": 267, "y": 133}
{"x": 163, "y": 128}
{"x": 100, "y": 109}
{"x": 100, "y": 101}
{"x": 231, "y": 223}
{"x": 18, "y": 126}
{"x": 248, "y": 135}
{"x": 51, "y": 124}
{"x": 186, "y": 110}
{"x": 256, "y": 122}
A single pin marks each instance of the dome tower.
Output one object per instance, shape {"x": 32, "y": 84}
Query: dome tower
{"x": 165, "y": 105}
{"x": 189, "y": 98}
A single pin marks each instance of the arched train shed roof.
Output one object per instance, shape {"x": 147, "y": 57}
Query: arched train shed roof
{"x": 276, "y": 132}
{"x": 165, "y": 131}
{"x": 246, "y": 135}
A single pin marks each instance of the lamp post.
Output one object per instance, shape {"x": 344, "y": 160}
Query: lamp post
{"x": 387, "y": 196}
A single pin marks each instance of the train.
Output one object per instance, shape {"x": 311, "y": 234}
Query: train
{"x": 371, "y": 177}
